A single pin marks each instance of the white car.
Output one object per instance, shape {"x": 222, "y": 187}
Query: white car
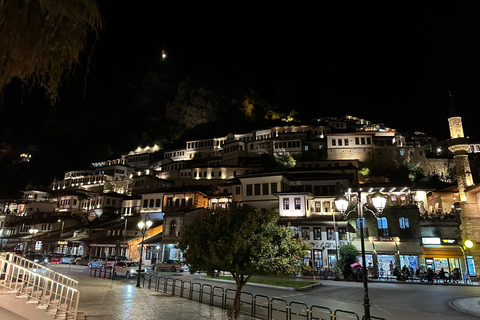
{"x": 127, "y": 269}
{"x": 171, "y": 265}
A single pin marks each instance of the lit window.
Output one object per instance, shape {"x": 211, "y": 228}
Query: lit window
{"x": 297, "y": 203}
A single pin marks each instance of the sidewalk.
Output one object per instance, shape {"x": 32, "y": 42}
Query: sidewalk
{"x": 104, "y": 299}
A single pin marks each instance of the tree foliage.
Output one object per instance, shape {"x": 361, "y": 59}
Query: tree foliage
{"x": 242, "y": 242}
{"x": 347, "y": 255}
{"x": 42, "y": 40}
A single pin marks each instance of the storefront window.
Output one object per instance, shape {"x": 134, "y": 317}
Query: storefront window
{"x": 317, "y": 258}
{"x": 332, "y": 258}
{"x": 386, "y": 264}
{"x": 307, "y": 259}
{"x": 471, "y": 266}
{"x": 410, "y": 261}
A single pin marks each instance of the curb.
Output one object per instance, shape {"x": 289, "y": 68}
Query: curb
{"x": 456, "y": 304}
{"x": 306, "y": 288}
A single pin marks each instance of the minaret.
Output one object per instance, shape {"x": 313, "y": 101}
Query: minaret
{"x": 458, "y": 145}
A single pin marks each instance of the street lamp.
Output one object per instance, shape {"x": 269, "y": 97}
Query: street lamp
{"x": 33, "y": 232}
{"x": 467, "y": 244}
{"x": 379, "y": 201}
{"x": 143, "y": 226}
{"x": 124, "y": 217}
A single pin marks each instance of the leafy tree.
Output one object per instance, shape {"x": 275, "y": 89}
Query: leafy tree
{"x": 242, "y": 242}
{"x": 347, "y": 255}
{"x": 43, "y": 39}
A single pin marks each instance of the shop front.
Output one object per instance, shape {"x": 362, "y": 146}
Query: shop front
{"x": 438, "y": 255}
{"x": 323, "y": 255}
{"x": 384, "y": 254}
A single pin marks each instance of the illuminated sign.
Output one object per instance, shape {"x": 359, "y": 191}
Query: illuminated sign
{"x": 431, "y": 240}
{"x": 449, "y": 241}
{"x": 388, "y": 239}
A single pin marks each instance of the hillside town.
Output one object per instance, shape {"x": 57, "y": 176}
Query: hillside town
{"x": 296, "y": 170}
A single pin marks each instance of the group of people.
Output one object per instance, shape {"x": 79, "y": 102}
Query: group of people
{"x": 403, "y": 274}
{"x": 407, "y": 272}
{"x": 442, "y": 275}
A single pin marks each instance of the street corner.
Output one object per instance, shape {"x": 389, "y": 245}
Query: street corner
{"x": 306, "y": 288}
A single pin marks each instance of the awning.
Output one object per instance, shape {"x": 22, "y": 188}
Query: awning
{"x": 385, "y": 247}
{"x": 439, "y": 251}
{"x": 412, "y": 247}
{"x": 368, "y": 246}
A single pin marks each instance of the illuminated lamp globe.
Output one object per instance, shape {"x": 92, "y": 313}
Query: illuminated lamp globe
{"x": 341, "y": 202}
{"x": 468, "y": 243}
{"x": 379, "y": 201}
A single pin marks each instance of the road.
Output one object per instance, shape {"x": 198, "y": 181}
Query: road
{"x": 393, "y": 301}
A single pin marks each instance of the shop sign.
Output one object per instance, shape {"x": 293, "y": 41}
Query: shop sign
{"x": 430, "y": 240}
{"x": 61, "y": 242}
{"x": 387, "y": 239}
{"x": 323, "y": 244}
{"x": 449, "y": 241}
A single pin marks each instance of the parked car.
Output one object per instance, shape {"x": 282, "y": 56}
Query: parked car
{"x": 17, "y": 252}
{"x": 171, "y": 265}
{"x": 97, "y": 263}
{"x": 83, "y": 261}
{"x": 55, "y": 258}
{"x": 127, "y": 269}
{"x": 37, "y": 258}
{"x": 67, "y": 259}
{"x": 111, "y": 261}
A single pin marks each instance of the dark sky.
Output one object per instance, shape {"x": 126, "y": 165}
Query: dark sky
{"x": 391, "y": 63}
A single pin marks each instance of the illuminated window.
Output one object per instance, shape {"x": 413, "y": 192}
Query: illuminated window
{"x": 317, "y": 234}
{"x": 382, "y": 227}
{"x": 305, "y": 233}
{"x": 404, "y": 224}
{"x": 286, "y": 204}
{"x": 297, "y": 203}
{"x": 330, "y": 234}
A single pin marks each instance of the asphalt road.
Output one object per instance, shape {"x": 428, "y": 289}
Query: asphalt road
{"x": 392, "y": 301}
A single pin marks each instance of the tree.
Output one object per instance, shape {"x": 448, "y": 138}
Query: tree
{"x": 242, "y": 242}
{"x": 347, "y": 255}
{"x": 42, "y": 39}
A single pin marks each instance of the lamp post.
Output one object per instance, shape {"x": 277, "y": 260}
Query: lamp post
{"x": 467, "y": 244}
{"x": 125, "y": 232}
{"x": 378, "y": 200}
{"x": 143, "y": 226}
{"x": 33, "y": 231}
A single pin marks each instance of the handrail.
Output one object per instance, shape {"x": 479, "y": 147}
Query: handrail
{"x": 38, "y": 268}
{"x": 34, "y": 285}
{"x": 283, "y": 308}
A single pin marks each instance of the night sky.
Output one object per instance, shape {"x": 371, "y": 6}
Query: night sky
{"x": 393, "y": 63}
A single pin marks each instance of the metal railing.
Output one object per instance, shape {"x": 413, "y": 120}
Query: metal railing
{"x": 38, "y": 268}
{"x": 29, "y": 281}
{"x": 254, "y": 305}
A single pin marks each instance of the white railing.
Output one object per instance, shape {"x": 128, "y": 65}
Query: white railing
{"x": 49, "y": 293}
{"x": 38, "y": 268}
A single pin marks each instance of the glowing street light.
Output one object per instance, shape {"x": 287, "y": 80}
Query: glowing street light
{"x": 143, "y": 226}
{"x": 33, "y": 232}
